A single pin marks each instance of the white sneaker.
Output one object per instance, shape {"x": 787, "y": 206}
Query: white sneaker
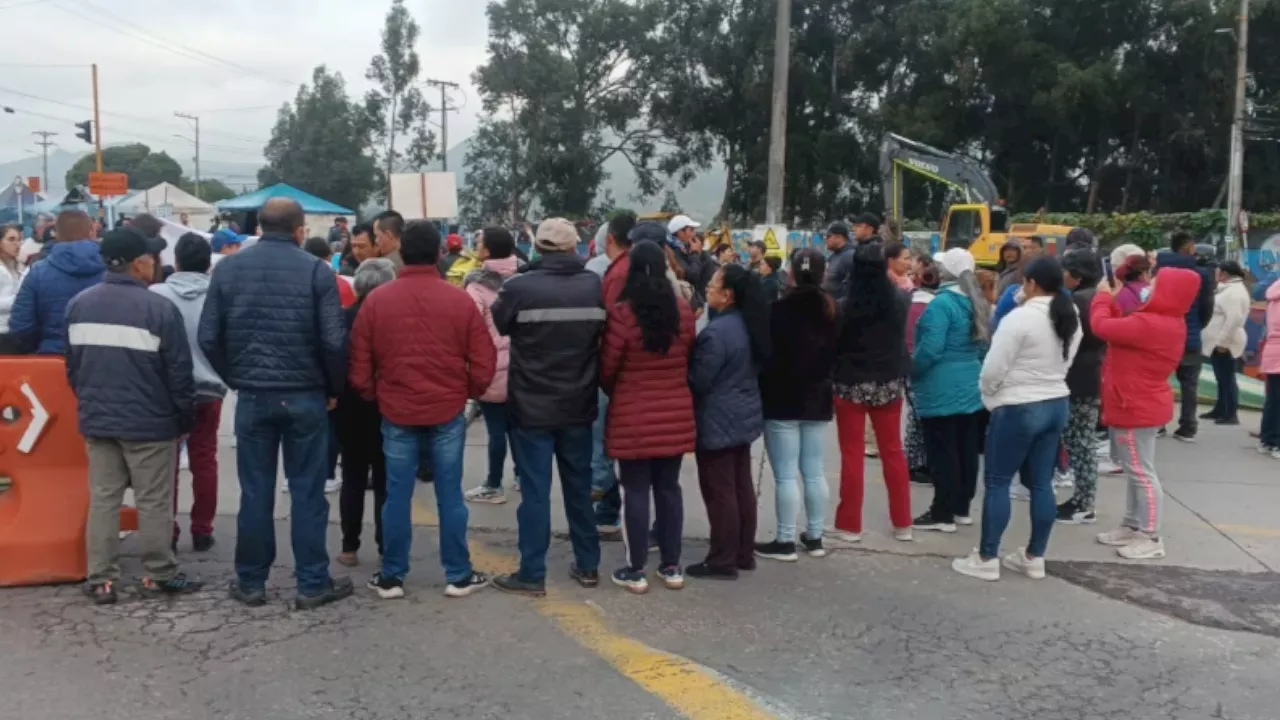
{"x": 1019, "y": 562}
{"x": 843, "y": 536}
{"x": 965, "y": 520}
{"x": 975, "y": 566}
{"x": 902, "y": 534}
{"x": 485, "y": 494}
{"x": 1063, "y": 479}
{"x": 1019, "y": 492}
{"x": 184, "y": 460}
{"x": 1107, "y": 466}
{"x": 1264, "y": 449}
{"x": 332, "y": 485}
{"x": 1148, "y": 548}
{"x": 1275, "y": 453}
{"x": 1120, "y": 537}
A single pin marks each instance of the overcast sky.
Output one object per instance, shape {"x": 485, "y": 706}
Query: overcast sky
{"x": 278, "y": 41}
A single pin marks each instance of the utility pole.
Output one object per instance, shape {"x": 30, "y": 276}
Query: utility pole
{"x": 444, "y": 86}
{"x": 196, "y": 120}
{"x": 97, "y": 126}
{"x": 44, "y": 142}
{"x": 1235, "y": 183}
{"x": 778, "y": 124}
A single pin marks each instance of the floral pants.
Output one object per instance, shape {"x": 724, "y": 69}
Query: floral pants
{"x": 1080, "y": 440}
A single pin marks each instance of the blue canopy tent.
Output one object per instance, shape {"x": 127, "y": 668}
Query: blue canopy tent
{"x": 320, "y": 213}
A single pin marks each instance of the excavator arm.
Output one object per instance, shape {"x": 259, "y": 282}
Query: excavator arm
{"x": 966, "y": 176}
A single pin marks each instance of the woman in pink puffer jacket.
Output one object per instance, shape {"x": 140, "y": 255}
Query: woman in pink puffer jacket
{"x": 1269, "y": 441}
{"x": 496, "y": 252}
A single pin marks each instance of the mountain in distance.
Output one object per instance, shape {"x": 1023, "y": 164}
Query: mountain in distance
{"x": 240, "y": 177}
{"x": 700, "y": 199}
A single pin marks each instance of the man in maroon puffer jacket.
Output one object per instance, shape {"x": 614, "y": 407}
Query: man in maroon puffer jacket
{"x": 420, "y": 348}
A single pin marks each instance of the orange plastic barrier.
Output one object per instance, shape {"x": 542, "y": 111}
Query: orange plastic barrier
{"x": 44, "y": 487}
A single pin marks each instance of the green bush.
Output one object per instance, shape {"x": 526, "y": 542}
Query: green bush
{"x": 1149, "y": 230}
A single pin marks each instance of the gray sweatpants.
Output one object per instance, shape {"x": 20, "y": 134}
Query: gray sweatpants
{"x": 148, "y": 467}
{"x": 1137, "y": 455}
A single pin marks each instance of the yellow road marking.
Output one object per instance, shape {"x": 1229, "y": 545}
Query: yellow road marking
{"x": 684, "y": 685}
{"x": 1250, "y": 530}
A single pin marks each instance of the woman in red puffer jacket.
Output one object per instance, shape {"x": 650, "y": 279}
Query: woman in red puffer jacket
{"x": 650, "y": 426}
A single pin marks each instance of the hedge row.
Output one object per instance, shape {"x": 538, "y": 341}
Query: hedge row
{"x": 1150, "y": 229}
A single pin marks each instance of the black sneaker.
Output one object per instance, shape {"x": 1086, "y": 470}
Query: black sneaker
{"x": 705, "y": 571}
{"x": 1226, "y": 421}
{"x": 1162, "y": 432}
{"x": 1186, "y": 436}
{"x": 513, "y": 584}
{"x": 1211, "y": 415}
{"x": 425, "y": 475}
{"x": 784, "y": 551}
{"x": 1069, "y": 513}
{"x": 388, "y": 588}
{"x": 747, "y": 565}
{"x": 921, "y": 477}
{"x": 252, "y": 598}
{"x": 585, "y": 578}
{"x": 340, "y": 589}
{"x": 202, "y": 543}
{"x": 179, "y": 584}
{"x": 103, "y": 593}
{"x": 632, "y": 581}
{"x": 928, "y": 522}
{"x": 462, "y": 588}
{"x": 813, "y": 546}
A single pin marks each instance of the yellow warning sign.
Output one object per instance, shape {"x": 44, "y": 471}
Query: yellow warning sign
{"x": 771, "y": 246}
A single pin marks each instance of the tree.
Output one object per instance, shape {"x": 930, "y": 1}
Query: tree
{"x": 576, "y": 74}
{"x": 321, "y": 144}
{"x": 211, "y": 191}
{"x": 144, "y": 168}
{"x": 396, "y": 106}
{"x": 495, "y": 187}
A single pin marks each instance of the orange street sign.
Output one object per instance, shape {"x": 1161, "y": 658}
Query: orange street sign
{"x": 106, "y": 184}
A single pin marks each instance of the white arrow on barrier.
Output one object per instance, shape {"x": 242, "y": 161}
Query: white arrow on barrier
{"x": 39, "y": 418}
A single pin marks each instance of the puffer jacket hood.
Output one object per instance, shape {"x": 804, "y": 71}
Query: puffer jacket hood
{"x": 79, "y": 258}
{"x": 492, "y": 273}
{"x": 1174, "y": 292}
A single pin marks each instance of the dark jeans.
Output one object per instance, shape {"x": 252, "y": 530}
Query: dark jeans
{"x": 1188, "y": 374}
{"x": 335, "y": 446}
{"x": 1224, "y": 372}
{"x": 266, "y": 422}
{"x": 1270, "y": 434}
{"x": 570, "y": 449}
{"x": 1022, "y": 439}
{"x": 951, "y": 442}
{"x": 404, "y": 448}
{"x": 363, "y": 464}
{"x": 725, "y": 479}
{"x": 497, "y": 421}
{"x": 637, "y": 477}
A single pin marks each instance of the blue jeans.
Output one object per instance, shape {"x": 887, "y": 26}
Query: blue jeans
{"x": 1270, "y": 426}
{"x": 798, "y": 445}
{"x": 1022, "y": 439}
{"x": 603, "y": 477}
{"x": 404, "y": 448}
{"x": 497, "y": 422}
{"x": 298, "y": 422}
{"x": 571, "y": 449}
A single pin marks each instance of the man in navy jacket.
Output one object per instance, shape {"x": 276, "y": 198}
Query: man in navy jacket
{"x": 129, "y": 364}
{"x": 272, "y": 327}
{"x": 1182, "y": 254}
{"x": 73, "y": 264}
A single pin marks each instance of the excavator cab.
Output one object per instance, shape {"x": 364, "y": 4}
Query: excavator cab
{"x": 979, "y": 228}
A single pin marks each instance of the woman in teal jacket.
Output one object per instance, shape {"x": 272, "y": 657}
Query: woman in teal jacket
{"x": 951, "y": 337}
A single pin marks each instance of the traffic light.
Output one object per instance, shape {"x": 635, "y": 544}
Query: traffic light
{"x": 86, "y": 131}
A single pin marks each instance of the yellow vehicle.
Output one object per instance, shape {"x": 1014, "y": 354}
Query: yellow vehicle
{"x": 980, "y": 224}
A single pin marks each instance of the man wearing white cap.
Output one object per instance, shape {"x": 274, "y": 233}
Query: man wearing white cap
{"x": 698, "y": 268}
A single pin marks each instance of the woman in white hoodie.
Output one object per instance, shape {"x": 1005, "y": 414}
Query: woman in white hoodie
{"x": 1224, "y": 340}
{"x": 1024, "y": 385}
{"x": 10, "y": 277}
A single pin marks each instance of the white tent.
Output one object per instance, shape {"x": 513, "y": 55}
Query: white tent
{"x": 170, "y": 202}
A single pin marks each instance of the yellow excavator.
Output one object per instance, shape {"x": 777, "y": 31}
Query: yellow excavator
{"x": 981, "y": 223}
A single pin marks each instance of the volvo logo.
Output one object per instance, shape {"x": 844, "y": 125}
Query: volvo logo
{"x": 923, "y": 165}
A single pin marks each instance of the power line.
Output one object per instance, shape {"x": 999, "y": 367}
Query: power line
{"x": 130, "y": 29}
{"x": 141, "y": 136}
{"x": 20, "y": 93}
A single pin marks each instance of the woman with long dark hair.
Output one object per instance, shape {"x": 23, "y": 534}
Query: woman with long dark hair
{"x": 1024, "y": 384}
{"x": 950, "y": 339}
{"x": 795, "y": 388}
{"x": 644, "y": 365}
{"x": 10, "y": 278}
{"x": 870, "y": 382}
{"x": 724, "y": 376}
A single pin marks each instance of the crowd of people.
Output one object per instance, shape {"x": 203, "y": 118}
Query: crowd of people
{"x": 375, "y": 341}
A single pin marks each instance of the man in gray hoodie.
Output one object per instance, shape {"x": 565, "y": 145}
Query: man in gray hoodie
{"x": 187, "y": 288}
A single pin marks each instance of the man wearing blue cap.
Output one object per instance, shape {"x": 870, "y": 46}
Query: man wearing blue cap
{"x": 225, "y": 242}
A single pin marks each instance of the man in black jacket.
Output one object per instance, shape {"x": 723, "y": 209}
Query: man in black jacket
{"x": 273, "y": 329}
{"x": 554, "y": 314}
{"x": 1182, "y": 254}
{"x": 129, "y": 365}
